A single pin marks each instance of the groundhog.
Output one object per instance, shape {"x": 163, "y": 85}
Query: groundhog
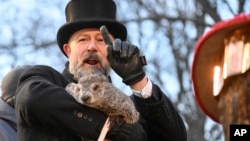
{"x": 95, "y": 90}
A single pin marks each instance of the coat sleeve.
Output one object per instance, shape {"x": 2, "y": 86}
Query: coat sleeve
{"x": 161, "y": 120}
{"x": 42, "y": 101}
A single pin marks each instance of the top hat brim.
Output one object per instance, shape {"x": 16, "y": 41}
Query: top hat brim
{"x": 208, "y": 52}
{"x": 115, "y": 28}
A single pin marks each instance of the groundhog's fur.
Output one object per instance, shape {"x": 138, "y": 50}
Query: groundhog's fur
{"x": 95, "y": 90}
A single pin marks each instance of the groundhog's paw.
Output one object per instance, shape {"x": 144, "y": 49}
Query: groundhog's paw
{"x": 132, "y": 118}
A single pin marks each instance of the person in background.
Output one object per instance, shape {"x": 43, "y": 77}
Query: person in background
{"x": 8, "y": 127}
{"x": 45, "y": 111}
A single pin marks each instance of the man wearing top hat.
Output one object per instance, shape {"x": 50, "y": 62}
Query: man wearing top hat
{"x": 45, "y": 111}
{"x": 8, "y": 126}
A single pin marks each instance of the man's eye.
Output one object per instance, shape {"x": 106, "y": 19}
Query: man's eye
{"x": 100, "y": 39}
{"x": 83, "y": 39}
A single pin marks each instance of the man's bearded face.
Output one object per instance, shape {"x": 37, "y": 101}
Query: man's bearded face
{"x": 89, "y": 61}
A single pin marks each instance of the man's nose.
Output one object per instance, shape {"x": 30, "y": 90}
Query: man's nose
{"x": 92, "y": 47}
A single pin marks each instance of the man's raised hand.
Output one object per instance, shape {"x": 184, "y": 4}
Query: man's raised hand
{"x": 124, "y": 58}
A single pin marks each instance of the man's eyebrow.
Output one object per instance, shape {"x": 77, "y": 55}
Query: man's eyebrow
{"x": 81, "y": 35}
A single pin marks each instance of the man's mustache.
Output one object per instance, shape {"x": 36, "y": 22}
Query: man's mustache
{"x": 87, "y": 56}
{"x": 91, "y": 56}
{"x": 105, "y": 68}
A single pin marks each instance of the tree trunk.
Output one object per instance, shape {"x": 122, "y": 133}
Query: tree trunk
{"x": 234, "y": 102}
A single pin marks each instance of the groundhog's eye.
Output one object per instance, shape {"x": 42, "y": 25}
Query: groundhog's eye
{"x": 95, "y": 86}
{"x": 78, "y": 89}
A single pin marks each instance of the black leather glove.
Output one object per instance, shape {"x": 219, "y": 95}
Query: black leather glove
{"x": 124, "y": 59}
{"x": 127, "y": 132}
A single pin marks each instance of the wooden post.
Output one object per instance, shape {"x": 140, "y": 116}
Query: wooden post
{"x": 234, "y": 101}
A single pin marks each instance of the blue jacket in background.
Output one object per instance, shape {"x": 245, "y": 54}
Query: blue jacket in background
{"x": 8, "y": 126}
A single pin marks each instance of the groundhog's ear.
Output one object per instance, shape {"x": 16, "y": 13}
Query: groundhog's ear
{"x": 105, "y": 79}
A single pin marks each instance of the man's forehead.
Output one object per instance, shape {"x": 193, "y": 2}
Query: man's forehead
{"x": 88, "y": 31}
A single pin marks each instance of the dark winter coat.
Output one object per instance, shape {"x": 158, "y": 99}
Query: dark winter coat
{"x": 46, "y": 112}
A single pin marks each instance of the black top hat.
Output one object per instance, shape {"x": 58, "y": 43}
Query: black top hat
{"x": 90, "y": 14}
{"x": 9, "y": 83}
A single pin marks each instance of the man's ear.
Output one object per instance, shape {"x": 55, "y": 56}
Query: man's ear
{"x": 67, "y": 49}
